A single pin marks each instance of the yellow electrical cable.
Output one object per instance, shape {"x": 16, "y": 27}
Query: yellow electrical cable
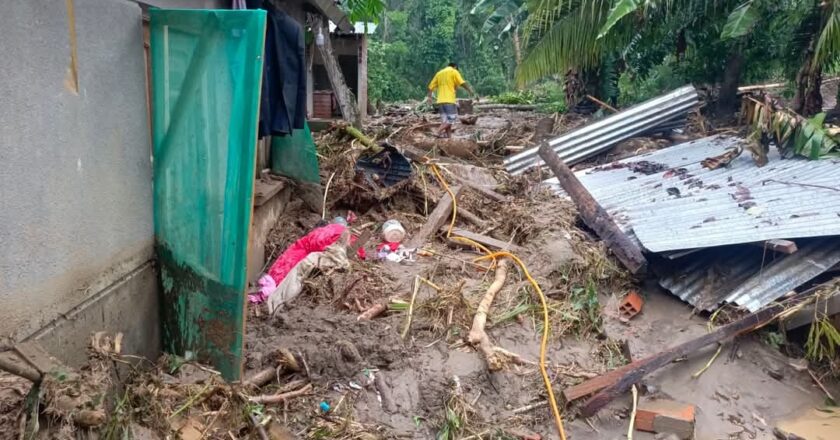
{"x": 551, "y": 399}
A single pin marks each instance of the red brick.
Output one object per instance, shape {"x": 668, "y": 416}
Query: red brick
{"x": 631, "y": 305}
{"x": 666, "y": 416}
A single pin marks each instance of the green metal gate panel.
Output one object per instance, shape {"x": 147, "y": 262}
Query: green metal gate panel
{"x": 206, "y": 78}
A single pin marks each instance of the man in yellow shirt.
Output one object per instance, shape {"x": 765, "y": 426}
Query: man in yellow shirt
{"x": 445, "y": 83}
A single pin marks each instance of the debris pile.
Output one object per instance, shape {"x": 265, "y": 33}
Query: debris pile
{"x": 428, "y": 293}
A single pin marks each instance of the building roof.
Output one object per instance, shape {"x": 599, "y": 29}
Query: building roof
{"x": 332, "y": 11}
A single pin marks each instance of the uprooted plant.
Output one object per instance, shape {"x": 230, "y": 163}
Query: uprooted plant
{"x": 793, "y": 134}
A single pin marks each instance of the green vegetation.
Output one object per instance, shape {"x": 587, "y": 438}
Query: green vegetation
{"x": 622, "y": 51}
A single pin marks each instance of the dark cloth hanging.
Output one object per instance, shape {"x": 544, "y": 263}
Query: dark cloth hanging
{"x": 283, "y": 102}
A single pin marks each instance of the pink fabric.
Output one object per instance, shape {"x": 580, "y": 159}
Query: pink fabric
{"x": 315, "y": 241}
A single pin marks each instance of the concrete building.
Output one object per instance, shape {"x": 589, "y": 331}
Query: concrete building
{"x": 76, "y": 213}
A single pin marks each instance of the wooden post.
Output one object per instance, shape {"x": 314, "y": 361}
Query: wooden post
{"x": 310, "y": 79}
{"x": 595, "y": 216}
{"x": 363, "y": 76}
{"x": 345, "y": 97}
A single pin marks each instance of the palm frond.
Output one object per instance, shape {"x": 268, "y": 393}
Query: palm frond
{"x": 570, "y": 42}
{"x": 827, "y": 51}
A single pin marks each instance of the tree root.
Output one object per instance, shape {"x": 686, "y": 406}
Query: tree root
{"x": 497, "y": 357}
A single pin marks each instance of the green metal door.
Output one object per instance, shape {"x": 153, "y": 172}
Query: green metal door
{"x": 206, "y": 79}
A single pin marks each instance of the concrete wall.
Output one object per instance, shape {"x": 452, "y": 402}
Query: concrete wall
{"x": 76, "y": 223}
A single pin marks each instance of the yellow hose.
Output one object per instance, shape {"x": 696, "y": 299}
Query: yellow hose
{"x": 490, "y": 255}
{"x": 465, "y": 240}
{"x": 551, "y": 399}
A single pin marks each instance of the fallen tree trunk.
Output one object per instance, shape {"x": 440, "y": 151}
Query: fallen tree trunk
{"x": 595, "y": 216}
{"x": 517, "y": 107}
{"x": 619, "y": 381}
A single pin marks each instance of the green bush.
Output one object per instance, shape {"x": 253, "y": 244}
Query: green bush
{"x": 660, "y": 79}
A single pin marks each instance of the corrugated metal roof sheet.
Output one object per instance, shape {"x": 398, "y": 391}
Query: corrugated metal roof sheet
{"x": 599, "y": 136}
{"x": 668, "y": 202}
{"x": 747, "y": 276}
{"x": 786, "y": 274}
{"x": 696, "y": 208}
{"x": 705, "y": 278}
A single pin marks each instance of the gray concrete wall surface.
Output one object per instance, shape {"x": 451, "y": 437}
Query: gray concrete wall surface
{"x": 76, "y": 216}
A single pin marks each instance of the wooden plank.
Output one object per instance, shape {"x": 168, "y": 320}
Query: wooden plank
{"x": 265, "y": 190}
{"x": 36, "y": 355}
{"x": 782, "y": 246}
{"x": 441, "y": 214}
{"x": 482, "y": 191}
{"x": 490, "y": 242}
{"x": 362, "y": 86}
{"x": 471, "y": 218}
{"x": 631, "y": 374}
{"x": 595, "y": 216}
{"x": 14, "y": 364}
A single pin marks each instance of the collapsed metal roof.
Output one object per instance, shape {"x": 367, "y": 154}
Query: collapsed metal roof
{"x": 747, "y": 276}
{"x": 670, "y": 202}
{"x": 667, "y": 201}
{"x": 599, "y": 136}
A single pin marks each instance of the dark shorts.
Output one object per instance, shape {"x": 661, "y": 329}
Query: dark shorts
{"x": 448, "y": 113}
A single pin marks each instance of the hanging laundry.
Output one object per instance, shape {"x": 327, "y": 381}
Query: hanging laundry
{"x": 283, "y": 105}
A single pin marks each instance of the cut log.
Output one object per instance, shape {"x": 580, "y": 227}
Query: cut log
{"x": 595, "y": 216}
{"x": 441, "y": 214}
{"x": 619, "y": 382}
{"x": 490, "y": 242}
{"x": 262, "y": 378}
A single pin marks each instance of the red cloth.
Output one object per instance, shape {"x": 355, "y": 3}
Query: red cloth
{"x": 315, "y": 241}
{"x": 393, "y": 246}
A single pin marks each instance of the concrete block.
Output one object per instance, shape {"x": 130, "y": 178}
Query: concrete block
{"x": 130, "y": 306}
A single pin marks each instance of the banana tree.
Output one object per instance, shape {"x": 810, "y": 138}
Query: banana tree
{"x": 502, "y": 19}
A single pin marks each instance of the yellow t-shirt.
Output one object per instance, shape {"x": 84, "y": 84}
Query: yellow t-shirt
{"x": 446, "y": 81}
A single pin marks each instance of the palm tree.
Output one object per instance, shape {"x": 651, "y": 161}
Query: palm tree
{"x": 564, "y": 35}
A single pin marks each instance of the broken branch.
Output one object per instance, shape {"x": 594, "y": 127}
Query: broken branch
{"x": 495, "y": 356}
{"x": 282, "y": 397}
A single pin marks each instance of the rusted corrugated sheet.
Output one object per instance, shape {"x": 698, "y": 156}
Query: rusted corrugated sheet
{"x": 599, "y": 136}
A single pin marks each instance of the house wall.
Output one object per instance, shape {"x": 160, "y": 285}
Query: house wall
{"x": 76, "y": 224}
